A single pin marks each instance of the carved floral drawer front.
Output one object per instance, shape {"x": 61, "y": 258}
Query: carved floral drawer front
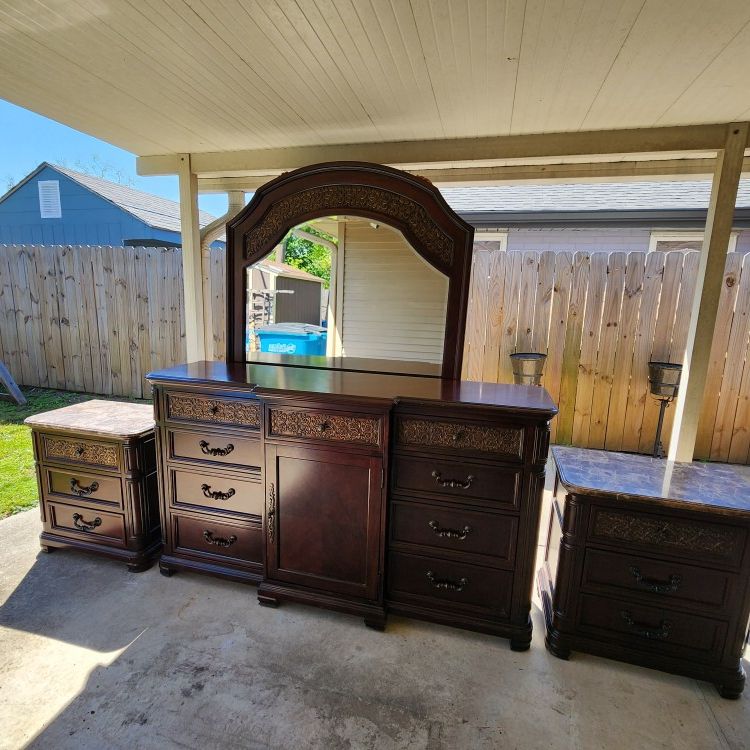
{"x": 506, "y": 441}
{"x": 346, "y": 428}
{"x": 665, "y": 534}
{"x": 188, "y": 408}
{"x": 71, "y": 450}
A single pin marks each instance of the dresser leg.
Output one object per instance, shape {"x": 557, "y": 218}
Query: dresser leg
{"x": 552, "y": 642}
{"x": 268, "y": 601}
{"x": 376, "y": 622}
{"x": 165, "y": 571}
{"x": 520, "y": 643}
{"x": 46, "y": 548}
{"x": 140, "y": 566}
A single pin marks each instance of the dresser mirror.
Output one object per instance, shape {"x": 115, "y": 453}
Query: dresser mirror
{"x": 399, "y": 272}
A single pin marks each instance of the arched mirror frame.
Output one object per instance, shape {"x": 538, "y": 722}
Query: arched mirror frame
{"x": 412, "y": 205}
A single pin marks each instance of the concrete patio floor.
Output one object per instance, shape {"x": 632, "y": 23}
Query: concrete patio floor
{"x": 95, "y": 657}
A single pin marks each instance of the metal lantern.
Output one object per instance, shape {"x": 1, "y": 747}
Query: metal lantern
{"x": 664, "y": 384}
{"x": 527, "y": 367}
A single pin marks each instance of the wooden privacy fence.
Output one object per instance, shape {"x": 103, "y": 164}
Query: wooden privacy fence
{"x": 601, "y": 316}
{"x": 97, "y": 319}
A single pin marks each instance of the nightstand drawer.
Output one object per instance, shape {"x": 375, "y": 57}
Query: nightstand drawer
{"x": 208, "y": 538}
{"x": 325, "y": 426}
{"x": 663, "y": 581}
{"x": 85, "y": 523}
{"x": 446, "y": 584}
{"x": 454, "y": 436}
{"x": 458, "y": 479}
{"x": 216, "y": 492}
{"x": 652, "y": 628}
{"x": 71, "y": 450}
{"x": 474, "y": 533}
{"x": 215, "y": 448}
{"x": 213, "y": 410}
{"x": 82, "y": 486}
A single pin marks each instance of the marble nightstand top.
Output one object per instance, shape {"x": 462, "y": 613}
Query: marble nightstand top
{"x": 624, "y": 476}
{"x": 98, "y": 417}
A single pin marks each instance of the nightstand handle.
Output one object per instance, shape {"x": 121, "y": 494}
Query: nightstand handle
{"x": 79, "y": 523}
{"x": 447, "y": 584}
{"x": 449, "y": 533}
{"x": 453, "y": 483}
{"x": 216, "y": 494}
{"x": 659, "y": 633}
{"x": 657, "y": 587}
{"x": 217, "y": 540}
{"x": 77, "y": 488}
{"x": 215, "y": 451}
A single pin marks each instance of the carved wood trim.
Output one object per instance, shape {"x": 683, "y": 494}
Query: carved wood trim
{"x": 317, "y": 426}
{"x": 99, "y": 454}
{"x": 216, "y": 410}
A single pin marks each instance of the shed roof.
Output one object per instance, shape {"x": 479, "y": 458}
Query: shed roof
{"x": 284, "y": 269}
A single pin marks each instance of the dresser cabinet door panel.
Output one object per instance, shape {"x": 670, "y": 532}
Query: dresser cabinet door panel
{"x": 457, "y": 479}
{"x": 652, "y": 628}
{"x": 83, "y": 487}
{"x": 85, "y": 523}
{"x": 215, "y": 448}
{"x": 323, "y": 516}
{"x": 455, "y": 528}
{"x": 433, "y": 582}
{"x": 216, "y": 492}
{"x": 660, "y": 580}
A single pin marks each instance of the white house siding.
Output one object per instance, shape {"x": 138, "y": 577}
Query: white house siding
{"x": 394, "y": 302}
{"x": 570, "y": 239}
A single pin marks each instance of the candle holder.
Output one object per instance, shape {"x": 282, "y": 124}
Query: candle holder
{"x": 527, "y": 367}
{"x": 664, "y": 384}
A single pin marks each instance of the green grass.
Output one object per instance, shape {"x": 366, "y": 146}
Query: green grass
{"x": 18, "y": 490}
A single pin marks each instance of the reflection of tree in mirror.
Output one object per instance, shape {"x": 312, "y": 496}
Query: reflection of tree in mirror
{"x": 303, "y": 253}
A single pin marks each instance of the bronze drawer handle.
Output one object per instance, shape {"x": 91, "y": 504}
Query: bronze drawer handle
{"x": 214, "y": 410}
{"x": 323, "y": 426}
{"x": 657, "y": 587}
{"x": 80, "y": 450}
{"x": 78, "y": 489}
{"x": 216, "y": 494}
{"x": 449, "y": 533}
{"x": 453, "y": 483}
{"x": 215, "y": 451}
{"x": 447, "y": 584}
{"x": 218, "y": 540}
{"x": 79, "y": 523}
{"x": 271, "y": 514}
{"x": 660, "y": 633}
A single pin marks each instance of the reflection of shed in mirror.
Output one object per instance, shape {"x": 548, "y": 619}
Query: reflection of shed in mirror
{"x": 379, "y": 298}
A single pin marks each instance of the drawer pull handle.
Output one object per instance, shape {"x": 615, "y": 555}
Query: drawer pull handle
{"x": 660, "y": 633}
{"x": 77, "y": 488}
{"x": 323, "y": 426}
{"x": 449, "y": 533}
{"x": 218, "y": 540}
{"x": 79, "y": 523}
{"x": 215, "y": 451}
{"x": 657, "y": 587}
{"x": 457, "y": 435}
{"x": 446, "y": 584}
{"x": 271, "y": 515}
{"x": 80, "y": 450}
{"x": 214, "y": 409}
{"x": 453, "y": 483}
{"x": 216, "y": 494}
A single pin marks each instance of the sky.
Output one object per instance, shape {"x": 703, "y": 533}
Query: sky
{"x": 29, "y": 139}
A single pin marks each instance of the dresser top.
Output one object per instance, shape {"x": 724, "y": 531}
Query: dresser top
{"x": 720, "y": 488}
{"x": 271, "y": 379}
{"x": 97, "y": 417}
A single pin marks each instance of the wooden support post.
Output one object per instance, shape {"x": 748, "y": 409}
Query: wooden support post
{"x": 6, "y": 379}
{"x": 192, "y": 278}
{"x": 708, "y": 286}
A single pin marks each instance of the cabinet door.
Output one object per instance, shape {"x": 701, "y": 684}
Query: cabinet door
{"x": 324, "y": 519}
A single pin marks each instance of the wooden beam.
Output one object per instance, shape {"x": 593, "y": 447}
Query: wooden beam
{"x": 192, "y": 276}
{"x": 619, "y": 171}
{"x": 707, "y": 290}
{"x": 646, "y": 140}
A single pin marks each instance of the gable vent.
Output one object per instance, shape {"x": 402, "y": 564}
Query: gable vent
{"x": 49, "y": 199}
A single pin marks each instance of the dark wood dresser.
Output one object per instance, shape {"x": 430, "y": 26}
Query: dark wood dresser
{"x": 96, "y": 470}
{"x": 362, "y": 492}
{"x": 648, "y": 561}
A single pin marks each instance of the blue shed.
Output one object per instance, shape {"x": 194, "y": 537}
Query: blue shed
{"x": 58, "y": 206}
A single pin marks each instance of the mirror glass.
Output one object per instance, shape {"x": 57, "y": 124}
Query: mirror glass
{"x": 347, "y": 288}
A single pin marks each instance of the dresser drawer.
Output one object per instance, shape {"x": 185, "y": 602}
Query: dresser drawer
{"x": 208, "y": 538}
{"x": 325, "y": 426}
{"x": 652, "y": 628}
{"x": 77, "y": 485}
{"x": 215, "y": 448}
{"x": 663, "y": 581}
{"x": 455, "y": 436}
{"x": 214, "y": 410}
{"x": 97, "y": 525}
{"x": 668, "y": 535}
{"x": 457, "y": 479}
{"x": 457, "y": 529}
{"x": 71, "y": 450}
{"x": 216, "y": 492}
{"x": 433, "y": 583}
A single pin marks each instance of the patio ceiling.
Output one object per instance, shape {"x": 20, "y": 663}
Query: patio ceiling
{"x": 192, "y": 76}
